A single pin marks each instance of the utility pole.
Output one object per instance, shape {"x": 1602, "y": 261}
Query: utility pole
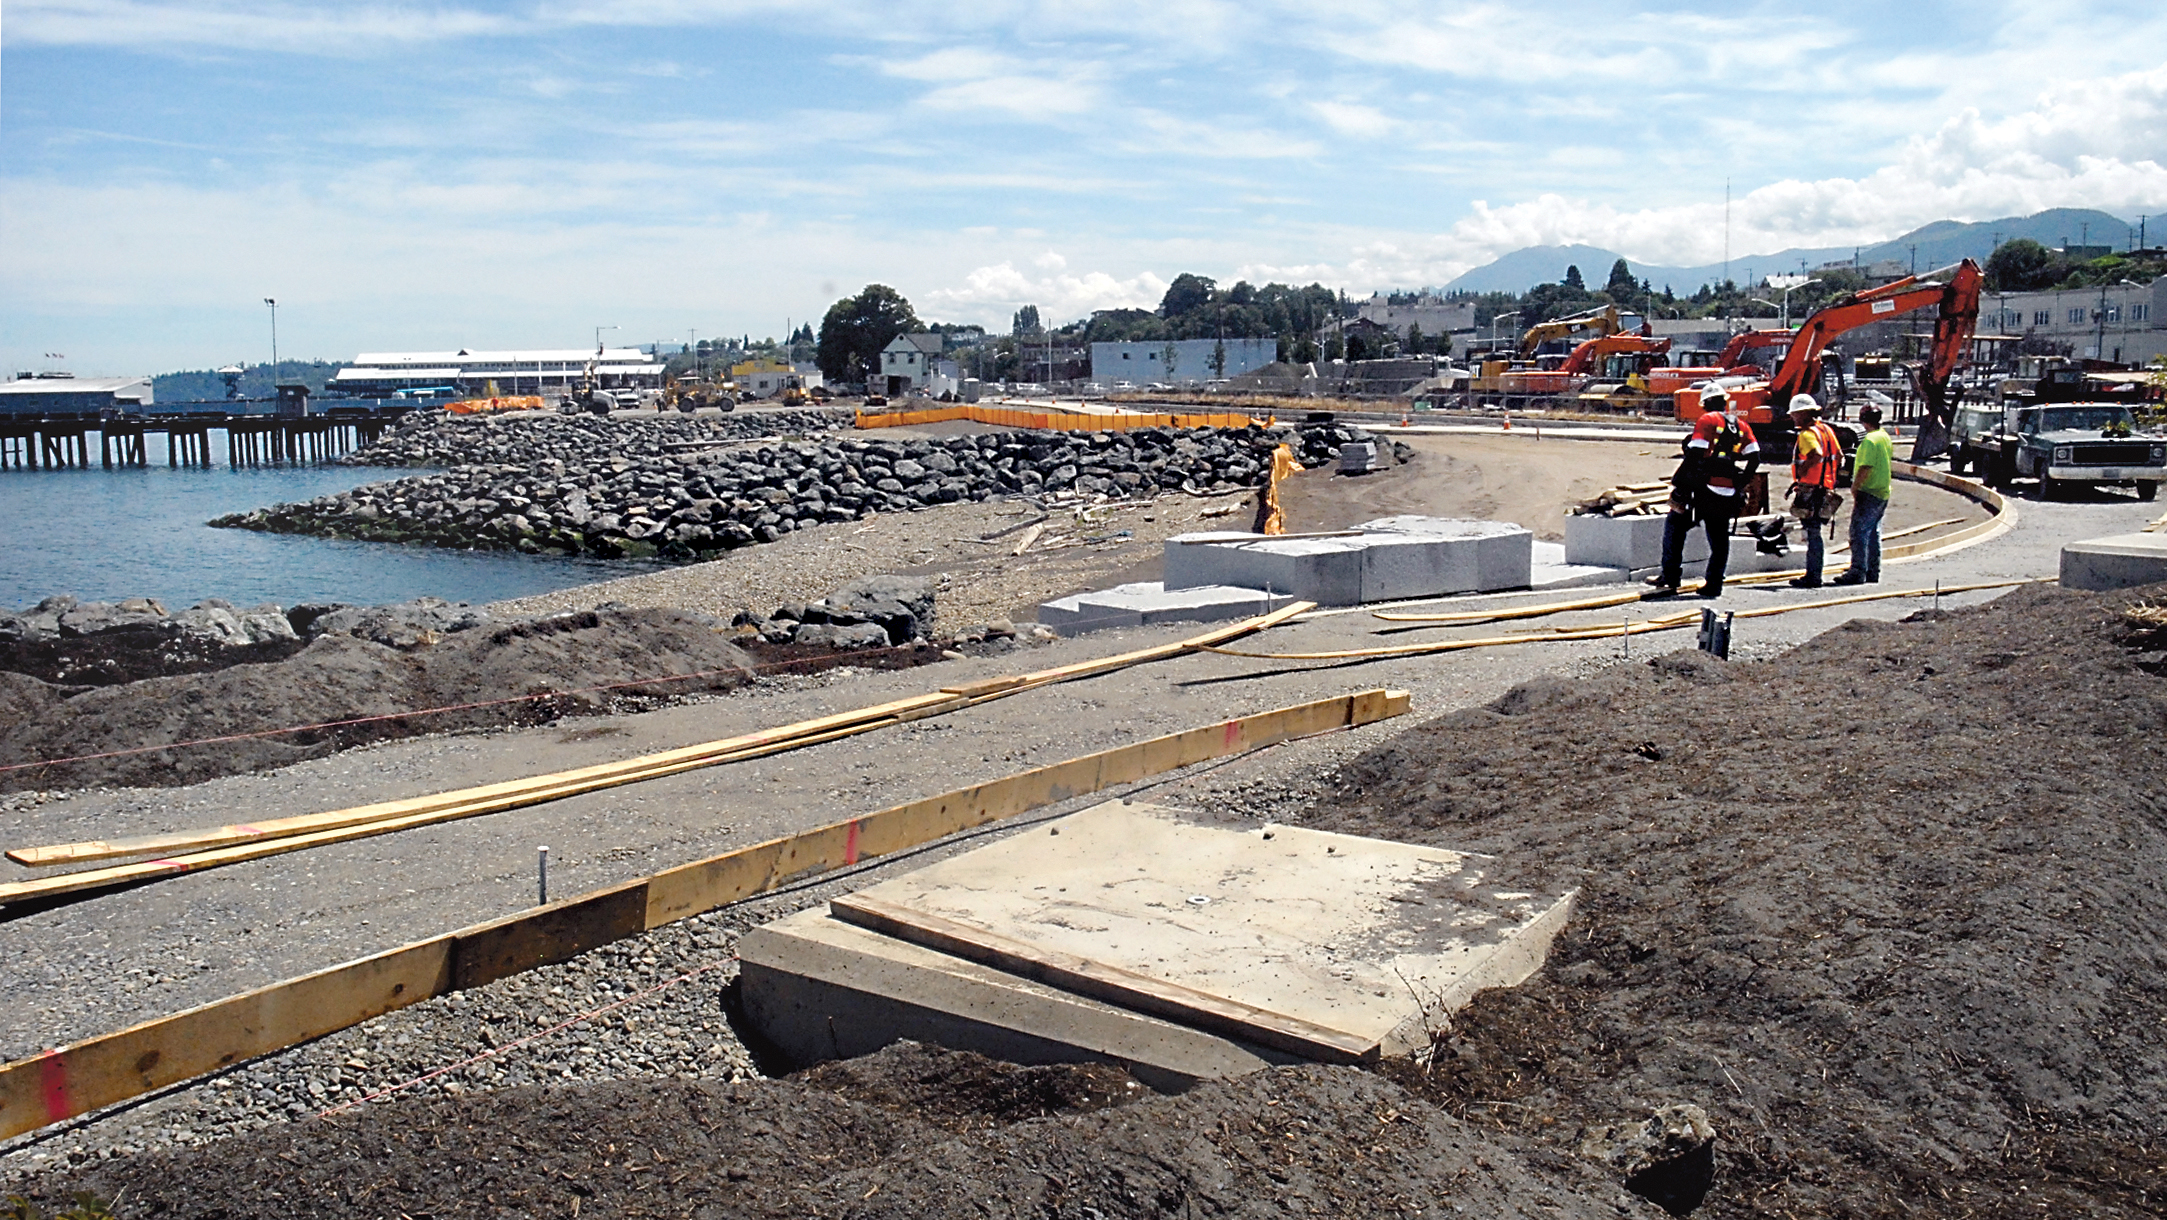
{"x": 273, "y": 303}
{"x": 1914, "y": 258}
{"x": 1726, "y": 230}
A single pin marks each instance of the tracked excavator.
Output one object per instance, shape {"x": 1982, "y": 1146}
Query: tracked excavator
{"x": 1953, "y": 292}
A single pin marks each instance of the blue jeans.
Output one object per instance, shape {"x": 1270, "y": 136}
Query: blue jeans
{"x": 1816, "y": 548}
{"x": 1866, "y": 513}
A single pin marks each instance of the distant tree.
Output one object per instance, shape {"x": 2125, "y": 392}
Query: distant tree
{"x": 1186, "y": 295}
{"x": 1218, "y": 358}
{"x": 1414, "y": 339}
{"x": 1572, "y": 278}
{"x": 2023, "y": 265}
{"x": 1334, "y": 347}
{"x": 857, "y": 328}
{"x": 1026, "y": 322}
{"x": 1170, "y": 356}
{"x": 1357, "y": 348}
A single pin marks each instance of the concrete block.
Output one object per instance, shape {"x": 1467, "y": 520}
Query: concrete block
{"x": 1359, "y": 458}
{"x": 2119, "y": 561}
{"x": 1552, "y": 571}
{"x": 1366, "y": 940}
{"x": 822, "y": 989}
{"x": 1390, "y": 559}
{"x": 1627, "y": 542}
{"x": 1145, "y": 604}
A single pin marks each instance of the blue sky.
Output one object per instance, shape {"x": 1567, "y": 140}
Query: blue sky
{"x": 435, "y": 176}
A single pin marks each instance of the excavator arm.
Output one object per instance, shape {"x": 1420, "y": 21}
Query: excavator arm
{"x": 1589, "y": 355}
{"x": 1957, "y": 301}
{"x": 1604, "y": 321}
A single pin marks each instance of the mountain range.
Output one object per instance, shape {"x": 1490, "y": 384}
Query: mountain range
{"x": 1930, "y": 246}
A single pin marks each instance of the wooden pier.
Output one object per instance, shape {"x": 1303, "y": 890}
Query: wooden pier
{"x": 63, "y": 443}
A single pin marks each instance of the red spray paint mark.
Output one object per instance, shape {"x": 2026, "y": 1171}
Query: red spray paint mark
{"x": 850, "y": 845}
{"x": 53, "y": 1076}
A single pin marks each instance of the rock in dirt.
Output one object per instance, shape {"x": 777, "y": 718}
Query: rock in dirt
{"x": 1669, "y": 1158}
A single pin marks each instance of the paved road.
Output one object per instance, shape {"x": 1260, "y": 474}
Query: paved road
{"x": 102, "y": 964}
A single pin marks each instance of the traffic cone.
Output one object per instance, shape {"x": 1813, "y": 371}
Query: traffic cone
{"x": 1508, "y": 421}
{"x": 1407, "y": 418}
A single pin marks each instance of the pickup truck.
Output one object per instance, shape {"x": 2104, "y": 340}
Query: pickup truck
{"x": 2062, "y": 445}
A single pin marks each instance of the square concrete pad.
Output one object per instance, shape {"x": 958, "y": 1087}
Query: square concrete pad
{"x": 1128, "y": 933}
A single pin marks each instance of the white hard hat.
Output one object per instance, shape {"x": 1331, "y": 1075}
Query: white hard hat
{"x": 1804, "y": 404}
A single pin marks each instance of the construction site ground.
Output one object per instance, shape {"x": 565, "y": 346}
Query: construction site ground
{"x": 1722, "y": 958}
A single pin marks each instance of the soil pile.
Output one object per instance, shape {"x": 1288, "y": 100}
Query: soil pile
{"x": 863, "y": 1141}
{"x": 339, "y": 677}
{"x": 1889, "y": 908}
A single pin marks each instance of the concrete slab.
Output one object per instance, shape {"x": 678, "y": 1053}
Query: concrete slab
{"x": 822, "y": 989}
{"x": 1550, "y": 569}
{"x": 2118, "y": 561}
{"x": 1391, "y": 559}
{"x": 1146, "y": 603}
{"x": 1370, "y": 942}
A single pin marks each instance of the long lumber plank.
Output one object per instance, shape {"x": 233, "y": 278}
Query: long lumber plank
{"x": 1102, "y": 981}
{"x": 102, "y": 1071}
{"x": 497, "y": 795}
{"x": 407, "y": 813}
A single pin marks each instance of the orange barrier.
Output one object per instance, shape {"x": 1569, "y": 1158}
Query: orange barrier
{"x": 1053, "y": 419}
{"x": 489, "y": 406}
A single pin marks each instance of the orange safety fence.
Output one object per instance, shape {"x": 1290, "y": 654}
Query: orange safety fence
{"x": 489, "y": 406}
{"x": 1055, "y": 419}
{"x": 1283, "y": 466}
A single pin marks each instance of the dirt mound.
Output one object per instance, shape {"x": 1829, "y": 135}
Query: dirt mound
{"x": 1327, "y": 1141}
{"x": 960, "y": 1090}
{"x": 1889, "y": 907}
{"x": 340, "y": 678}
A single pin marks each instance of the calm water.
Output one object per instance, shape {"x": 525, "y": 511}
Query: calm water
{"x": 103, "y": 535}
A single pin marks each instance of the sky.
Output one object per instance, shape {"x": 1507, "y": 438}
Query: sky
{"x": 435, "y": 176}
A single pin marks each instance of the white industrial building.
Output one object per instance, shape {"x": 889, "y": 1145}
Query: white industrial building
{"x": 387, "y": 374}
{"x": 67, "y": 394}
{"x": 1175, "y": 361}
{"x": 2125, "y": 323}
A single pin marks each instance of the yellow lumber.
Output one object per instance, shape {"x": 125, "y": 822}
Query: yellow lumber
{"x": 317, "y": 830}
{"x": 111, "y": 1068}
{"x": 1478, "y": 616}
{"x": 508, "y": 794}
{"x": 1672, "y": 622}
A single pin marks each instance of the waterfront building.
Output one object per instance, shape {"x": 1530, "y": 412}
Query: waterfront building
{"x": 65, "y": 394}
{"x": 387, "y": 374}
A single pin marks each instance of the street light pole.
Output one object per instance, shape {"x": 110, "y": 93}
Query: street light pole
{"x": 273, "y": 303}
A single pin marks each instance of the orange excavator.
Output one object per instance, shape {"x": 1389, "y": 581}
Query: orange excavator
{"x": 1764, "y": 400}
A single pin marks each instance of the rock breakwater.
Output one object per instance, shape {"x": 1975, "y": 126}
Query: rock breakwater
{"x": 636, "y": 489}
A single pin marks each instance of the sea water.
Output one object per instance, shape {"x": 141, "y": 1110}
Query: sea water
{"x": 103, "y": 535}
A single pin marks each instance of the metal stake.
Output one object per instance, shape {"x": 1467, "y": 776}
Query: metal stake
{"x": 1937, "y": 595}
{"x": 542, "y": 877}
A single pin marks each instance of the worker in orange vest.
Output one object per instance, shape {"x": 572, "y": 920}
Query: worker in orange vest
{"x": 1716, "y": 465}
{"x": 1816, "y": 459}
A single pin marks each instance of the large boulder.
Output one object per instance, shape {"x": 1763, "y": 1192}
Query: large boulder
{"x": 902, "y": 605}
{"x": 402, "y": 625}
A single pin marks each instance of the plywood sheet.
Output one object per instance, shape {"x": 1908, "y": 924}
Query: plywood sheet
{"x": 1370, "y": 940}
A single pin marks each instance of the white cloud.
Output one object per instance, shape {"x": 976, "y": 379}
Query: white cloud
{"x": 1355, "y": 119}
{"x": 989, "y": 294}
{"x": 331, "y": 30}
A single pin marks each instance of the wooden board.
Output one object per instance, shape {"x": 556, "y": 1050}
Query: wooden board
{"x": 1101, "y": 981}
{"x": 102, "y": 1071}
{"x": 183, "y": 851}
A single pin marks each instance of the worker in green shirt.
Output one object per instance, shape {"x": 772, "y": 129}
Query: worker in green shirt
{"x": 1869, "y": 500}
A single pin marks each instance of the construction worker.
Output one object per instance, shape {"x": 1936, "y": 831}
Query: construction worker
{"x": 1719, "y": 460}
{"x": 1816, "y": 458}
{"x": 1870, "y": 500}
